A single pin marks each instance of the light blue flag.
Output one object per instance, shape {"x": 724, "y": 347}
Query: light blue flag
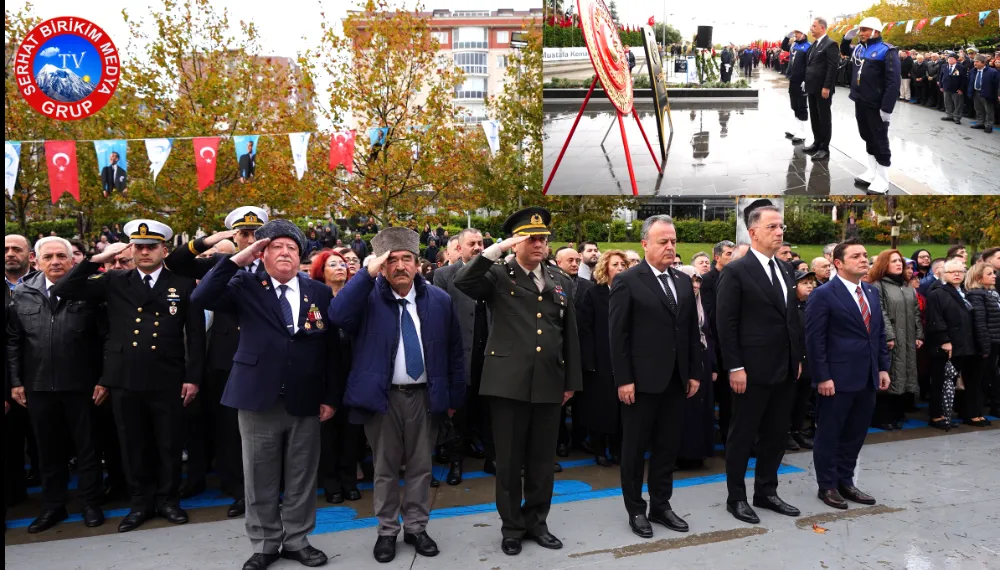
{"x": 12, "y": 159}
{"x": 376, "y": 135}
{"x": 240, "y": 142}
{"x": 936, "y": 20}
{"x": 300, "y": 151}
{"x": 158, "y": 151}
{"x": 982, "y": 17}
{"x": 106, "y": 147}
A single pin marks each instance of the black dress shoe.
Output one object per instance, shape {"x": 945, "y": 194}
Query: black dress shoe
{"x": 133, "y": 520}
{"x": 943, "y": 425}
{"x": 190, "y": 490}
{"x": 821, "y": 155}
{"x": 946, "y": 118}
{"x": 353, "y": 495}
{"x": 173, "y": 514}
{"x": 546, "y": 540}
{"x": 804, "y": 441}
{"x": 470, "y": 450}
{"x": 640, "y": 526}
{"x": 898, "y": 424}
{"x": 885, "y": 426}
{"x": 742, "y": 511}
{"x": 602, "y": 461}
{"x": 668, "y": 519}
{"x": 556, "y": 468}
{"x": 385, "y": 549}
{"x": 260, "y": 561}
{"x": 335, "y": 497}
{"x": 979, "y": 126}
{"x": 435, "y": 483}
{"x": 442, "y": 455}
{"x": 308, "y": 556}
{"x": 237, "y": 509}
{"x": 798, "y": 140}
{"x": 511, "y": 546}
{"x": 562, "y": 450}
{"x": 832, "y": 498}
{"x": 811, "y": 149}
{"x": 791, "y": 444}
{"x": 775, "y": 504}
{"x": 852, "y": 493}
{"x": 454, "y": 475}
{"x": 47, "y": 520}
{"x": 424, "y": 545}
{"x": 977, "y": 423}
{"x": 490, "y": 467}
{"x": 93, "y": 517}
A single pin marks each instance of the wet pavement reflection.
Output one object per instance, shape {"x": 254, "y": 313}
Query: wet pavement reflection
{"x": 738, "y": 147}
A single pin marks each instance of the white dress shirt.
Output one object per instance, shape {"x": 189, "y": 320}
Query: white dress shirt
{"x": 155, "y": 276}
{"x": 670, "y": 280}
{"x": 252, "y": 268}
{"x": 852, "y": 290}
{"x": 48, "y": 288}
{"x": 764, "y": 260}
{"x": 294, "y": 299}
{"x": 585, "y": 272}
{"x": 399, "y": 375}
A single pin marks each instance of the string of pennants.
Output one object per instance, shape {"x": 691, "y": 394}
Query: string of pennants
{"x": 919, "y": 24}
{"x": 63, "y": 172}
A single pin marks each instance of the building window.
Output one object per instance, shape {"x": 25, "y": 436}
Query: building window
{"x": 470, "y": 38}
{"x": 472, "y": 62}
{"x": 502, "y": 62}
{"x": 503, "y": 36}
{"x": 472, "y": 88}
{"x": 441, "y": 37}
{"x": 471, "y": 14}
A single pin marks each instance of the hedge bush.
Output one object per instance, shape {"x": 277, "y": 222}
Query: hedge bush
{"x": 558, "y": 37}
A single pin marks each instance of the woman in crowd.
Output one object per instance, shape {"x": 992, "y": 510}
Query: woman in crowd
{"x": 340, "y": 441}
{"x": 800, "y": 265}
{"x": 981, "y": 284}
{"x": 600, "y": 410}
{"x": 805, "y": 282}
{"x": 949, "y": 336}
{"x": 922, "y": 258}
{"x": 698, "y": 443}
{"x": 353, "y": 261}
{"x": 903, "y": 331}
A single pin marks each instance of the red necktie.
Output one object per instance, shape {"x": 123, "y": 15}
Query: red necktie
{"x": 866, "y": 315}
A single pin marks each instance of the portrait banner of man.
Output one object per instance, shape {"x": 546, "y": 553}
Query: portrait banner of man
{"x": 743, "y": 208}
{"x": 246, "y": 155}
{"x": 112, "y": 162}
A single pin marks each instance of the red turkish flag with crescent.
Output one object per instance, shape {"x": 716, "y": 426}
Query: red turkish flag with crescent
{"x": 60, "y": 156}
{"x": 206, "y": 152}
{"x": 342, "y": 150}
{"x": 651, "y": 21}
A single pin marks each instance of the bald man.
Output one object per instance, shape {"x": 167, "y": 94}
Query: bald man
{"x": 821, "y": 267}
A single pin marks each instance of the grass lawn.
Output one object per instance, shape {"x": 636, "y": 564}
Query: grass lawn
{"x": 807, "y": 252}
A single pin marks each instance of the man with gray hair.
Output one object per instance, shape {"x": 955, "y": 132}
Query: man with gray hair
{"x": 760, "y": 334}
{"x": 722, "y": 255}
{"x": 822, "y": 65}
{"x": 984, "y": 86}
{"x": 54, "y": 359}
{"x": 828, "y": 254}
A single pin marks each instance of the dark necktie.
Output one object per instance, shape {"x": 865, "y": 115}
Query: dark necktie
{"x": 286, "y": 309}
{"x": 534, "y": 279}
{"x": 776, "y": 285}
{"x": 411, "y": 344}
{"x": 148, "y": 281}
{"x": 671, "y": 301}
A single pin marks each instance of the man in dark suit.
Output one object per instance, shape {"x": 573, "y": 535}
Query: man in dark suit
{"x": 821, "y": 77}
{"x": 248, "y": 163}
{"x": 532, "y": 368}
{"x": 759, "y": 332}
{"x": 284, "y": 383}
{"x": 213, "y": 430}
{"x": 154, "y": 361}
{"x": 570, "y": 261}
{"x": 114, "y": 177}
{"x": 474, "y": 320}
{"x": 849, "y": 360}
{"x": 722, "y": 254}
{"x": 653, "y": 312}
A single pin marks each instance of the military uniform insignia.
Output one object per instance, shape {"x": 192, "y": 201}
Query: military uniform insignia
{"x": 314, "y": 318}
{"x": 307, "y": 326}
{"x": 173, "y": 310}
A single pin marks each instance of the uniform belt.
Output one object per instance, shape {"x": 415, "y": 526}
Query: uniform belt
{"x": 408, "y": 387}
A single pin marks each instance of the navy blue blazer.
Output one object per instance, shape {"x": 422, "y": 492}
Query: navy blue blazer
{"x": 268, "y": 356}
{"x": 838, "y": 346}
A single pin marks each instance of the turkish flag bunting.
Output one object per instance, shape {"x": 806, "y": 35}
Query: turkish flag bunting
{"x": 206, "y": 153}
{"x": 63, "y": 177}
{"x": 921, "y": 24}
{"x": 342, "y": 150}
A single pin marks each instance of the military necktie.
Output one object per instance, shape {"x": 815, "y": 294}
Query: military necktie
{"x": 148, "y": 281}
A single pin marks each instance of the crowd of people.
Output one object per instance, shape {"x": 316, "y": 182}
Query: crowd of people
{"x": 225, "y": 352}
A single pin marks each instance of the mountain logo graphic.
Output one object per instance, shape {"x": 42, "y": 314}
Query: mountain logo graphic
{"x": 67, "y": 68}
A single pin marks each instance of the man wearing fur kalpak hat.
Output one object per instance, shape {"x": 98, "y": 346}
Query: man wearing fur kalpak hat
{"x": 284, "y": 382}
{"x": 408, "y": 372}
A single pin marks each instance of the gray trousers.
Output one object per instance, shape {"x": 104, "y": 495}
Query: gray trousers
{"x": 953, "y": 105}
{"x": 275, "y": 442}
{"x": 405, "y": 435}
{"x": 984, "y": 109}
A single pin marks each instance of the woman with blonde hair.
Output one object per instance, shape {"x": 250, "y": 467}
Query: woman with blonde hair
{"x": 904, "y": 333}
{"x": 600, "y": 410}
{"x": 980, "y": 284}
{"x": 950, "y": 338}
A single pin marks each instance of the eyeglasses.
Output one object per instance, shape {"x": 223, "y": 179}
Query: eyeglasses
{"x": 772, "y": 227}
{"x": 956, "y": 272}
{"x": 337, "y": 264}
{"x": 122, "y": 262}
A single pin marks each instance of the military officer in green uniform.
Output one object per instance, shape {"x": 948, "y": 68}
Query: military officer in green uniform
{"x": 532, "y": 367}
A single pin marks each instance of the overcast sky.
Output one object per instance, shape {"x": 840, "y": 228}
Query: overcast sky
{"x": 282, "y": 29}
{"x": 737, "y": 21}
